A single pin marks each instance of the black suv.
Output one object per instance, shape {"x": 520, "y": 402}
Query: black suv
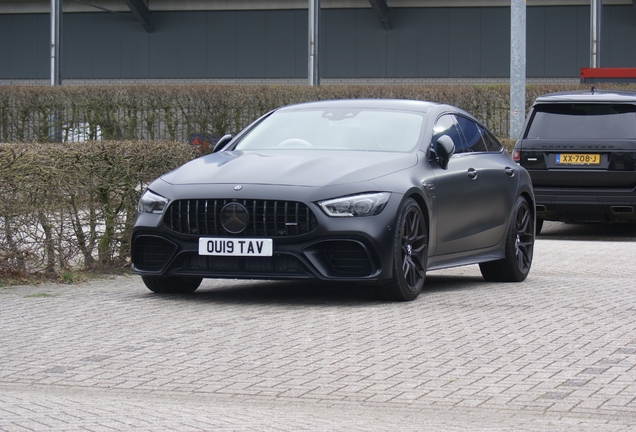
{"x": 580, "y": 150}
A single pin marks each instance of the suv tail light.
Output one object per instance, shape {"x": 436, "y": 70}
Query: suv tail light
{"x": 516, "y": 155}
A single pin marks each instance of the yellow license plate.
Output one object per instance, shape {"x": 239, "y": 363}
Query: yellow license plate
{"x": 578, "y": 159}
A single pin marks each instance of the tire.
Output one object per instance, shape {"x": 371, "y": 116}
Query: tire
{"x": 539, "y": 226}
{"x": 515, "y": 266}
{"x": 410, "y": 250}
{"x": 172, "y": 284}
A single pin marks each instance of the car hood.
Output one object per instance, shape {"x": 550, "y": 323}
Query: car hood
{"x": 289, "y": 167}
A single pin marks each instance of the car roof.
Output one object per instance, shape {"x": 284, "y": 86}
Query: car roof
{"x": 401, "y": 104}
{"x": 590, "y": 96}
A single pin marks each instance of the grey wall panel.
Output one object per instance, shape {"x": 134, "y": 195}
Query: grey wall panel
{"x": 192, "y": 37}
{"x": 535, "y": 41}
{"x": 338, "y": 45}
{"x": 583, "y": 37}
{"x": 464, "y": 40}
{"x": 102, "y": 45}
{"x": 560, "y": 49}
{"x": 5, "y": 46}
{"x": 302, "y": 44}
{"x": 433, "y": 39}
{"x": 107, "y": 46}
{"x": 135, "y": 51}
{"x": 221, "y": 44}
{"x": 619, "y": 45}
{"x": 164, "y": 47}
{"x": 25, "y": 47}
{"x": 78, "y": 46}
{"x": 402, "y": 44}
{"x": 495, "y": 42}
{"x": 370, "y": 45}
{"x": 605, "y": 35}
{"x": 43, "y": 24}
{"x": 423, "y": 42}
{"x": 251, "y": 44}
{"x": 281, "y": 40}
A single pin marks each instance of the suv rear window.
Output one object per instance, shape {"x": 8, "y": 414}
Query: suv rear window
{"x": 583, "y": 121}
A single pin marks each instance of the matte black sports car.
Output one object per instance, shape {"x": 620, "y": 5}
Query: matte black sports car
{"x": 353, "y": 190}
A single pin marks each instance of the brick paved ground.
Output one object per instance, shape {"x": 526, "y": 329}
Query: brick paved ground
{"x": 557, "y": 352}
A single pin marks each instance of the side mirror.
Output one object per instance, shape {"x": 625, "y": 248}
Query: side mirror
{"x": 445, "y": 150}
{"x": 221, "y": 143}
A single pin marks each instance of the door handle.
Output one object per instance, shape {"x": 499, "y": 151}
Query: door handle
{"x": 472, "y": 173}
{"x": 510, "y": 171}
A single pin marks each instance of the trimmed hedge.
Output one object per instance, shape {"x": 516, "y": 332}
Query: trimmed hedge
{"x": 65, "y": 206}
{"x": 181, "y": 112}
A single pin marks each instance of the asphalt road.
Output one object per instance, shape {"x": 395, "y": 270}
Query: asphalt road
{"x": 556, "y": 352}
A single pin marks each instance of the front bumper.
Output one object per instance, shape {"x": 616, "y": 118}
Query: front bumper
{"x": 356, "y": 248}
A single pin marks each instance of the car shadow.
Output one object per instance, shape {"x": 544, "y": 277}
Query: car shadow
{"x": 310, "y": 293}
{"x": 619, "y": 232}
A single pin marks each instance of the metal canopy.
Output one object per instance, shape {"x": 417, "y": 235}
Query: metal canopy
{"x": 141, "y": 12}
{"x": 382, "y": 11}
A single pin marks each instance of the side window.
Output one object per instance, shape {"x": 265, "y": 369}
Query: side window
{"x": 446, "y": 125}
{"x": 474, "y": 140}
{"x": 492, "y": 143}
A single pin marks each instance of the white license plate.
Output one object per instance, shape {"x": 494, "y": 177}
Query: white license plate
{"x": 235, "y": 247}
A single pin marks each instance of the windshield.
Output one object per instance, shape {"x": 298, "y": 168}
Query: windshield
{"x": 336, "y": 129}
{"x": 583, "y": 121}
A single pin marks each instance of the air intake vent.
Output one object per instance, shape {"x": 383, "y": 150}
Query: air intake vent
{"x": 348, "y": 257}
{"x": 152, "y": 253}
{"x": 274, "y": 265}
{"x": 266, "y": 218}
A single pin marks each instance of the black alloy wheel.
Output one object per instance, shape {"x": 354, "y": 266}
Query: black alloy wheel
{"x": 524, "y": 242}
{"x": 410, "y": 255}
{"x": 519, "y": 248}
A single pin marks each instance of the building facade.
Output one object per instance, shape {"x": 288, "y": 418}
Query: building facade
{"x": 243, "y": 41}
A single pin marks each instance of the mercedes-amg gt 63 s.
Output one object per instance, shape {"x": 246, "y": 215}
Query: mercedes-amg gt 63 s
{"x": 376, "y": 191}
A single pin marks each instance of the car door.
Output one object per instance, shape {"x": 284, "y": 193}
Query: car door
{"x": 456, "y": 192}
{"x": 498, "y": 183}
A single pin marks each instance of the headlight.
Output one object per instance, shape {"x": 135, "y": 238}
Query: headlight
{"x": 150, "y": 202}
{"x": 356, "y": 205}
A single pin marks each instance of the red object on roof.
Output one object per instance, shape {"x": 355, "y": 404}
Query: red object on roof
{"x": 608, "y": 73}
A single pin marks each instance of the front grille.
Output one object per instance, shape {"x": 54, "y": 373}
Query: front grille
{"x": 152, "y": 253}
{"x": 267, "y": 218}
{"x": 348, "y": 257}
